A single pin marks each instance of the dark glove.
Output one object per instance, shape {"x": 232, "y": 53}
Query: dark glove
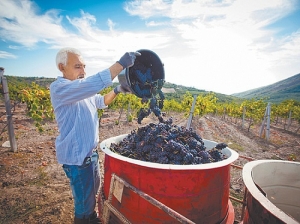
{"x": 127, "y": 60}
{"x": 121, "y": 89}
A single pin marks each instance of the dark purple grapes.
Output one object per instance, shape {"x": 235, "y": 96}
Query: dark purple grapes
{"x": 167, "y": 144}
{"x": 145, "y": 87}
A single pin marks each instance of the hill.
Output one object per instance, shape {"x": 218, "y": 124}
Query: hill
{"x": 23, "y": 81}
{"x": 173, "y": 91}
{"x": 286, "y": 89}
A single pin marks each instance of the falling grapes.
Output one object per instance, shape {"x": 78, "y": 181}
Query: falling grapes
{"x": 166, "y": 143}
{"x": 149, "y": 90}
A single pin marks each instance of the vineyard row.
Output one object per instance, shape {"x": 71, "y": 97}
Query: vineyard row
{"x": 39, "y": 108}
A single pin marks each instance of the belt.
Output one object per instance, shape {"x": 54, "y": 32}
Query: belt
{"x": 89, "y": 157}
{"x": 96, "y": 148}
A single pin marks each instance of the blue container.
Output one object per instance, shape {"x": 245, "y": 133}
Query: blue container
{"x": 146, "y": 69}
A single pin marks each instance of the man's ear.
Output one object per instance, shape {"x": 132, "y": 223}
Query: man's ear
{"x": 61, "y": 67}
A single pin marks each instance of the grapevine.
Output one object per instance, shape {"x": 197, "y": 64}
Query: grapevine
{"x": 38, "y": 102}
{"x": 39, "y": 108}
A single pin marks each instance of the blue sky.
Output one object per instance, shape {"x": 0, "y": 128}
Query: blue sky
{"x": 226, "y": 46}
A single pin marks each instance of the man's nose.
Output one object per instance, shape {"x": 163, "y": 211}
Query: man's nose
{"x": 83, "y": 70}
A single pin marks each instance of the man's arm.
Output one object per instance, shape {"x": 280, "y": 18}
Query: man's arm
{"x": 115, "y": 70}
{"x": 109, "y": 97}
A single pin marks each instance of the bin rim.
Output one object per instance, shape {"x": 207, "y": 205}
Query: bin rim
{"x": 258, "y": 195}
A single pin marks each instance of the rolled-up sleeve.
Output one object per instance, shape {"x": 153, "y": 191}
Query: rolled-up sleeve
{"x": 99, "y": 100}
{"x": 64, "y": 91}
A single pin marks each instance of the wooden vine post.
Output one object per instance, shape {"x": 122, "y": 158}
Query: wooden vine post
{"x": 289, "y": 120}
{"x": 191, "y": 113}
{"x": 11, "y": 134}
{"x": 244, "y": 114}
{"x": 266, "y": 122}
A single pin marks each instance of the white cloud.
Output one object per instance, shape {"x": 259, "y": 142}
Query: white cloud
{"x": 110, "y": 24}
{"x": 147, "y": 9}
{"x": 223, "y": 46}
{"x": 284, "y": 55}
{"x": 4, "y": 54}
{"x": 110, "y": 44}
{"x": 14, "y": 47}
{"x": 214, "y": 45}
{"x": 155, "y": 23}
{"x": 20, "y": 23}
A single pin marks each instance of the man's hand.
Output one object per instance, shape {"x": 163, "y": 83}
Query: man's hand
{"x": 121, "y": 89}
{"x": 127, "y": 60}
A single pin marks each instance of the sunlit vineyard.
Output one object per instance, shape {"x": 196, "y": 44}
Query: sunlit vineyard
{"x": 37, "y": 100}
{"x": 214, "y": 119}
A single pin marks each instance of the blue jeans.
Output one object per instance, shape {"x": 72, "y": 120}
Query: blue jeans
{"x": 85, "y": 183}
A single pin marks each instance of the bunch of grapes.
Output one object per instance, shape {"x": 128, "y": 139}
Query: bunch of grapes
{"x": 148, "y": 89}
{"x": 166, "y": 143}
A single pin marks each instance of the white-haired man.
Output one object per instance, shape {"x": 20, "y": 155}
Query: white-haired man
{"x": 75, "y": 99}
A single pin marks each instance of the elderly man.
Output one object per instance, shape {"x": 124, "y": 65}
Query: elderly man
{"x": 75, "y": 100}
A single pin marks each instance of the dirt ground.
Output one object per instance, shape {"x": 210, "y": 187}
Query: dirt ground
{"x": 34, "y": 188}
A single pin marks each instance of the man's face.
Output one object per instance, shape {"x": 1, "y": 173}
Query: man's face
{"x": 75, "y": 68}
